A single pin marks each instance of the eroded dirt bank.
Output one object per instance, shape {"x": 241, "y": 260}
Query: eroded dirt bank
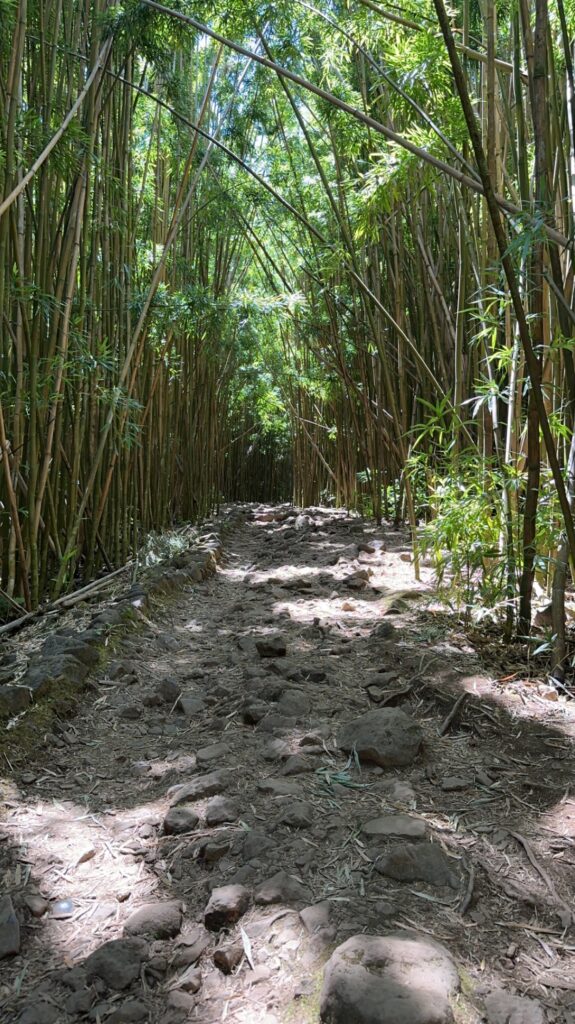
{"x": 226, "y": 746}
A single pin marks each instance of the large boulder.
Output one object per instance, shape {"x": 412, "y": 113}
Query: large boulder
{"x": 385, "y": 736}
{"x": 402, "y": 978}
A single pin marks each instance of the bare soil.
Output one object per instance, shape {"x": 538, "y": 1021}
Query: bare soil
{"x": 82, "y": 815}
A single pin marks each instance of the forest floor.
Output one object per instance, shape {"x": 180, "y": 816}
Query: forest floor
{"x": 323, "y": 847}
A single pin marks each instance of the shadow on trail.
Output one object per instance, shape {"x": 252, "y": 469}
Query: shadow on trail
{"x": 492, "y": 791}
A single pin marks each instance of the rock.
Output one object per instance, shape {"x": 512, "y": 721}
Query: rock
{"x": 298, "y": 815}
{"x": 385, "y": 736}
{"x": 276, "y": 723}
{"x": 276, "y": 750}
{"x": 397, "y": 791}
{"x": 401, "y": 978}
{"x": 220, "y": 810}
{"x": 79, "y": 1002}
{"x": 190, "y": 706}
{"x": 179, "y": 1000}
{"x": 39, "y": 1013}
{"x": 228, "y": 957}
{"x": 179, "y": 820}
{"x": 75, "y": 978}
{"x": 271, "y": 647}
{"x": 131, "y": 712}
{"x": 37, "y": 905}
{"x": 117, "y": 963}
{"x": 169, "y": 690}
{"x": 279, "y": 787}
{"x": 255, "y": 844}
{"x": 190, "y": 980}
{"x": 293, "y": 702}
{"x": 155, "y": 921}
{"x": 226, "y": 905}
{"x": 72, "y": 646}
{"x": 395, "y": 825}
{"x": 210, "y": 851}
{"x": 297, "y": 764}
{"x": 503, "y": 1008}
{"x": 425, "y": 862}
{"x": 452, "y": 783}
{"x": 129, "y": 1013}
{"x": 202, "y": 786}
{"x": 281, "y": 888}
{"x": 254, "y": 711}
{"x": 261, "y": 972}
{"x": 191, "y": 947}
{"x": 316, "y": 917}
{"x": 57, "y": 670}
{"x": 215, "y": 752}
{"x": 13, "y": 700}
{"x": 384, "y": 631}
{"x": 307, "y": 674}
{"x": 9, "y": 929}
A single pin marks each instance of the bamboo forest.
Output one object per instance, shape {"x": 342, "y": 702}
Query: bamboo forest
{"x": 287, "y": 511}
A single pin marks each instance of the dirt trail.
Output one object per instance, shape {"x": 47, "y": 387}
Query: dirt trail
{"x": 203, "y": 690}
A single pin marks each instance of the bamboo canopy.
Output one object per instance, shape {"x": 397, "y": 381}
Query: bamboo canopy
{"x": 289, "y": 253}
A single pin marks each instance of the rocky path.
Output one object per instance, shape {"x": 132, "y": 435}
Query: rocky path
{"x": 294, "y": 796}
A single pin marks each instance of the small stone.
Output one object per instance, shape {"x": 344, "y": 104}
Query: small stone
{"x": 215, "y": 752}
{"x": 398, "y": 791}
{"x": 281, "y": 888}
{"x": 9, "y": 929}
{"x": 316, "y": 917}
{"x": 39, "y": 1013}
{"x": 79, "y": 1002}
{"x": 220, "y": 810}
{"x": 254, "y": 711}
{"x": 298, "y": 815}
{"x": 202, "y": 786}
{"x": 395, "y": 825}
{"x": 155, "y": 921}
{"x": 279, "y": 787}
{"x": 129, "y": 1013}
{"x": 179, "y": 820}
{"x": 226, "y": 905}
{"x": 117, "y": 963}
{"x": 190, "y": 706}
{"x": 425, "y": 862}
{"x": 190, "y": 980}
{"x": 131, "y": 712}
{"x": 13, "y": 700}
{"x": 503, "y": 1008}
{"x": 297, "y": 764}
{"x": 169, "y": 690}
{"x": 37, "y": 905}
{"x": 271, "y": 647}
{"x": 401, "y": 978}
{"x": 261, "y": 972}
{"x": 255, "y": 844}
{"x": 384, "y": 631}
{"x": 385, "y": 736}
{"x": 228, "y": 957}
{"x": 75, "y": 979}
{"x": 191, "y": 946}
{"x": 293, "y": 702}
{"x": 181, "y": 1000}
{"x": 452, "y": 783}
{"x": 211, "y": 851}
{"x": 276, "y": 750}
